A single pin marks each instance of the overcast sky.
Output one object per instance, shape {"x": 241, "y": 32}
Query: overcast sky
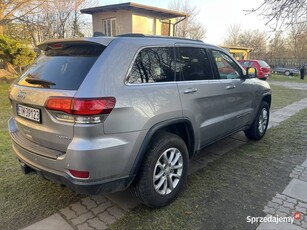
{"x": 215, "y": 15}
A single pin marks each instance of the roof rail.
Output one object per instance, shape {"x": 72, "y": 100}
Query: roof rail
{"x": 131, "y": 35}
{"x": 156, "y": 36}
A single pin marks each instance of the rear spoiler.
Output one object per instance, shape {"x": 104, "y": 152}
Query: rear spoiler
{"x": 58, "y": 43}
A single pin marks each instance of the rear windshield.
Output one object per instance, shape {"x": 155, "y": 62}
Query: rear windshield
{"x": 246, "y": 63}
{"x": 263, "y": 64}
{"x": 62, "y": 66}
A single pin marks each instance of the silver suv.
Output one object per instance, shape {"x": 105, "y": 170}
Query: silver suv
{"x": 101, "y": 114}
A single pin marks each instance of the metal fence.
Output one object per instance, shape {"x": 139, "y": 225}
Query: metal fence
{"x": 284, "y": 62}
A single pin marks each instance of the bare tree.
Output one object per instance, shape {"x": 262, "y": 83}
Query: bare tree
{"x": 278, "y": 46}
{"x": 189, "y": 28}
{"x": 255, "y": 39}
{"x": 41, "y": 23}
{"x": 298, "y": 41}
{"x": 281, "y": 14}
{"x": 11, "y": 10}
{"x": 233, "y": 34}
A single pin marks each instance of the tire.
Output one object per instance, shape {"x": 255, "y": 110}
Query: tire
{"x": 287, "y": 72}
{"x": 260, "y": 124}
{"x": 170, "y": 177}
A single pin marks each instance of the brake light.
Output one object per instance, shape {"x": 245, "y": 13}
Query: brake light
{"x": 56, "y": 46}
{"x": 89, "y": 110}
{"x": 264, "y": 68}
{"x": 93, "y": 106}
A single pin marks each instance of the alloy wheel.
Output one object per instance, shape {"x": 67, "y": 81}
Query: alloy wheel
{"x": 168, "y": 171}
{"x": 263, "y": 121}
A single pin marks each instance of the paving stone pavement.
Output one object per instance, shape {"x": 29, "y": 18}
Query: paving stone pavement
{"x": 291, "y": 201}
{"x": 98, "y": 212}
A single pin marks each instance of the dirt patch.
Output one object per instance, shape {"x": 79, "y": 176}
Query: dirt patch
{"x": 4, "y": 73}
{"x": 6, "y": 77}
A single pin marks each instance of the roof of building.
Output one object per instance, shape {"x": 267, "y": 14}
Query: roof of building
{"x": 135, "y": 6}
{"x": 238, "y": 48}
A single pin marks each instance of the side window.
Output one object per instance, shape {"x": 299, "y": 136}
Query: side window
{"x": 153, "y": 65}
{"x": 194, "y": 64}
{"x": 227, "y": 68}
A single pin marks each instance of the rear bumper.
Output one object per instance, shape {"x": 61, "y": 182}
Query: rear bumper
{"x": 93, "y": 188}
{"x": 108, "y": 160}
{"x": 264, "y": 75}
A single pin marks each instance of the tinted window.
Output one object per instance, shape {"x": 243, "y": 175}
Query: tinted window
{"x": 153, "y": 65}
{"x": 246, "y": 63}
{"x": 195, "y": 64}
{"x": 227, "y": 68}
{"x": 63, "y": 67}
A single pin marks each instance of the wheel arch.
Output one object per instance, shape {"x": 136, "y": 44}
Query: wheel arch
{"x": 181, "y": 127}
{"x": 267, "y": 98}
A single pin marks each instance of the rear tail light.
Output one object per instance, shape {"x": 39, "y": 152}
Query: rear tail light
{"x": 86, "y": 111}
{"x": 264, "y": 68}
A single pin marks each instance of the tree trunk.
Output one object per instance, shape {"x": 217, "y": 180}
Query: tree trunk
{"x": 9, "y": 67}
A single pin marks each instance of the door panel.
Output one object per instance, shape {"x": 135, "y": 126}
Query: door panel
{"x": 201, "y": 95}
{"x": 205, "y": 108}
{"x": 238, "y": 104}
{"x": 238, "y": 97}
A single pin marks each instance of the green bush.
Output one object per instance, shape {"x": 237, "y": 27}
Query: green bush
{"x": 15, "y": 54}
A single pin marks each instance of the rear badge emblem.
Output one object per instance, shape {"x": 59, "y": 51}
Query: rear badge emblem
{"x": 64, "y": 137}
{"x": 21, "y": 94}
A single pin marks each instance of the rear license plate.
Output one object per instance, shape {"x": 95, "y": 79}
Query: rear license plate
{"x": 29, "y": 113}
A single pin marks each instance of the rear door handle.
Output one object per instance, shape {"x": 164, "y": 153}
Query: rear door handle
{"x": 190, "y": 90}
{"x": 230, "y": 86}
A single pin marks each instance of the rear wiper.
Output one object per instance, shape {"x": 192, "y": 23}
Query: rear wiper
{"x": 39, "y": 81}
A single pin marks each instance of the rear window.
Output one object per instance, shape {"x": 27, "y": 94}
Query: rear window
{"x": 62, "y": 66}
{"x": 263, "y": 64}
{"x": 246, "y": 63}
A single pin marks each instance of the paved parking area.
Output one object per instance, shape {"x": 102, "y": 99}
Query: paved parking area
{"x": 292, "y": 202}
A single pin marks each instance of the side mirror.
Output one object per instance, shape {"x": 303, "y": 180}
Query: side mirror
{"x": 251, "y": 72}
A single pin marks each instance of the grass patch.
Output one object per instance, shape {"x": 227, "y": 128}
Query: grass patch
{"x": 283, "y": 78}
{"x": 5, "y": 111}
{"x": 282, "y": 96}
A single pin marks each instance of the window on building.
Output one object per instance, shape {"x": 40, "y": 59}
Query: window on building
{"x": 109, "y": 27}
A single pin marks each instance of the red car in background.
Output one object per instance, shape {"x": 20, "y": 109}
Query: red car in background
{"x": 263, "y": 69}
